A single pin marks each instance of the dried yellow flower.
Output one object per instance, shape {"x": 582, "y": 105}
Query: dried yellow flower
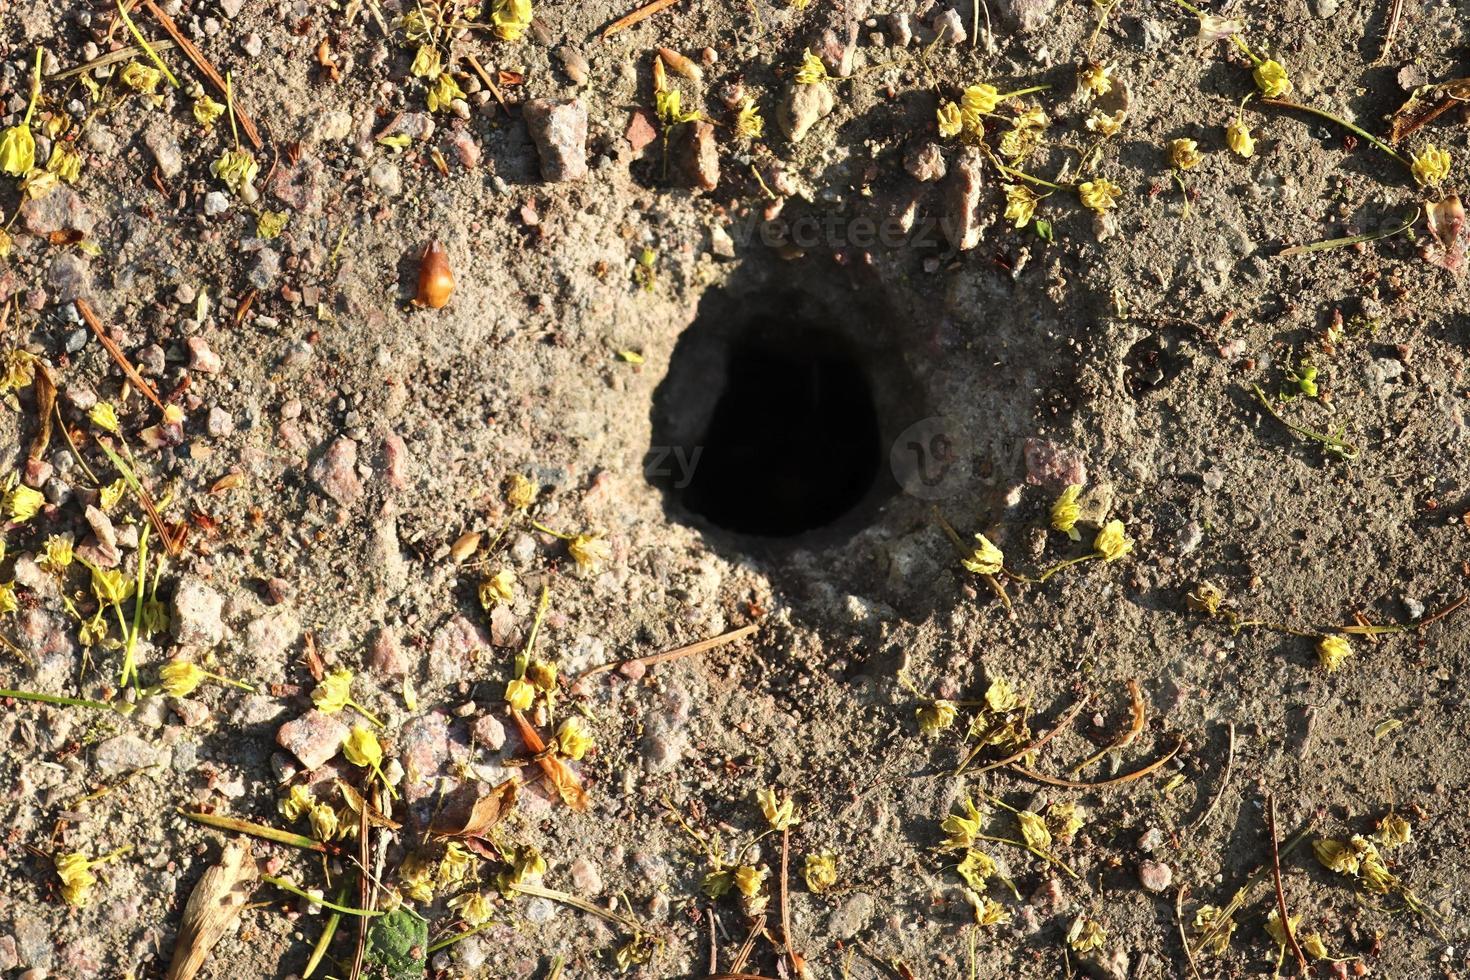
{"x": 1066, "y": 511}
{"x": 1394, "y": 830}
{"x": 573, "y": 739}
{"x": 362, "y": 749}
{"x": 270, "y": 224}
{"x": 1336, "y": 855}
{"x": 1086, "y": 935}
{"x": 1276, "y": 931}
{"x": 334, "y": 692}
{"x": 1184, "y": 154}
{"x": 442, "y": 91}
{"x": 1034, "y": 830}
{"x": 986, "y": 559}
{"x": 820, "y": 871}
{"x": 980, "y": 99}
{"x": 17, "y": 370}
{"x": 1112, "y": 542}
{"x": 936, "y": 716}
{"x": 23, "y": 503}
{"x": 75, "y": 872}
{"x": 1333, "y": 652}
{"x": 542, "y": 675}
{"x": 110, "y": 585}
{"x": 108, "y": 496}
{"x": 1272, "y": 80}
{"x": 1065, "y": 819}
{"x": 237, "y": 170}
{"x": 1107, "y": 124}
{"x": 748, "y": 880}
{"x": 1238, "y": 138}
{"x": 1000, "y": 697}
{"x": 416, "y": 879}
{"x": 17, "y": 150}
{"x": 749, "y": 124}
{"x": 1097, "y": 79}
{"x": 497, "y": 588}
{"x": 8, "y": 602}
{"x": 1099, "y": 195}
{"x": 1431, "y": 166}
{"x": 140, "y": 77}
{"x": 1314, "y": 947}
{"x": 511, "y": 18}
{"x": 298, "y": 802}
{"x": 1021, "y": 203}
{"x": 426, "y": 62}
{"x": 988, "y": 912}
{"x": 589, "y": 551}
{"x": 779, "y": 813}
{"x": 812, "y": 71}
{"x": 961, "y": 828}
{"x": 207, "y": 111}
{"x": 456, "y": 865}
{"x": 104, "y": 416}
{"x": 950, "y": 121}
{"x": 522, "y": 492}
{"x": 324, "y": 821}
{"x": 519, "y": 694}
{"x": 65, "y": 162}
{"x": 977, "y": 868}
{"x": 58, "y": 553}
{"x": 180, "y": 678}
{"x": 475, "y": 908}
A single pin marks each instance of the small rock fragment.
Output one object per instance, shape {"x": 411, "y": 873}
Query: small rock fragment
{"x": 803, "y": 107}
{"x": 202, "y": 358}
{"x": 313, "y": 738}
{"x": 949, "y": 28}
{"x": 1054, "y": 466}
{"x": 696, "y": 157}
{"x": 335, "y": 472}
{"x": 559, "y": 129}
{"x": 1155, "y": 876}
{"x": 574, "y": 63}
{"x": 963, "y": 220}
{"x": 925, "y": 162}
{"x": 196, "y": 613}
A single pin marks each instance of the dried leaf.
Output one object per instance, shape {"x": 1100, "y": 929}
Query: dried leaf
{"x": 212, "y": 907}
{"x": 358, "y": 804}
{"x": 1447, "y": 228}
{"x": 568, "y": 786}
{"x": 484, "y": 815}
{"x": 510, "y": 79}
{"x": 227, "y": 482}
{"x": 45, "y": 390}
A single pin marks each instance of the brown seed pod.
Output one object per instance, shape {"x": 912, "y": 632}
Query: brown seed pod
{"x": 436, "y": 281}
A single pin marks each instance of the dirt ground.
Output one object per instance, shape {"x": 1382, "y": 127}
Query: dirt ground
{"x": 756, "y": 381}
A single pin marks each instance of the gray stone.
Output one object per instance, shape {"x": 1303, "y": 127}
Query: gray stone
{"x": 68, "y": 277}
{"x": 901, "y": 29}
{"x": 384, "y": 176}
{"x": 585, "y": 877}
{"x": 949, "y": 28}
{"x": 1028, "y": 15}
{"x": 196, "y": 613}
{"x": 165, "y": 150}
{"x": 215, "y": 203}
{"x": 559, "y": 129}
{"x": 219, "y": 423}
{"x": 123, "y": 754}
{"x": 852, "y": 916}
{"x": 266, "y": 270}
{"x": 269, "y": 639}
{"x": 490, "y": 732}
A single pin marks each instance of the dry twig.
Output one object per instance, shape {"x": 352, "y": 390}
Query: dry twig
{"x": 688, "y": 650}
{"x": 134, "y": 378}
{"x": 1224, "y": 777}
{"x": 1281, "y": 894}
{"x": 636, "y": 17}
{"x": 1128, "y": 777}
{"x": 212, "y": 907}
{"x": 207, "y": 69}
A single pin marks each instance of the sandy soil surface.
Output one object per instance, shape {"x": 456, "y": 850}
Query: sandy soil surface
{"x": 754, "y": 367}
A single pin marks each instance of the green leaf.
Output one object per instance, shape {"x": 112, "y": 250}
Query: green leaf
{"x": 397, "y": 947}
{"x": 1043, "y": 229}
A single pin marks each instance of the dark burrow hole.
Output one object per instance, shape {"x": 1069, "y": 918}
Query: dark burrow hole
{"x": 793, "y": 443}
{"x": 774, "y": 424}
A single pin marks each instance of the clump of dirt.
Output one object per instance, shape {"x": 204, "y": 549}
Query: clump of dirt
{"x": 840, "y": 520}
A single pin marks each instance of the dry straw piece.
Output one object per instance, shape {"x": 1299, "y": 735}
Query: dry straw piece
{"x": 213, "y": 905}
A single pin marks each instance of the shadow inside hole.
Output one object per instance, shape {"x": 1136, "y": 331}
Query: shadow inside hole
{"x": 775, "y": 420}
